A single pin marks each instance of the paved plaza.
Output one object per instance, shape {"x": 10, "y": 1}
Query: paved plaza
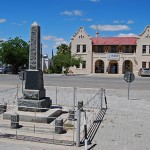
{"x": 126, "y": 122}
{"x": 125, "y": 125}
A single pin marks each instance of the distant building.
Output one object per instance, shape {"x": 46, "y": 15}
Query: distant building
{"x": 46, "y": 63}
{"x": 113, "y": 55}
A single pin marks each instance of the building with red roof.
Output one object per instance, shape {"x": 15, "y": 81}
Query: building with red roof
{"x": 112, "y": 55}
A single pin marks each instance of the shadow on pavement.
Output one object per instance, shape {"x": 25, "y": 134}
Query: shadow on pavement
{"x": 94, "y": 127}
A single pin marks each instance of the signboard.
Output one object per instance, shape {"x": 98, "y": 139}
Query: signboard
{"x": 129, "y": 76}
{"x": 113, "y": 56}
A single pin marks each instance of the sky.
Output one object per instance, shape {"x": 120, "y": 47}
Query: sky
{"x": 60, "y": 19}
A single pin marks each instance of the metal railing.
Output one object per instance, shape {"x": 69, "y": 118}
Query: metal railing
{"x": 68, "y": 97}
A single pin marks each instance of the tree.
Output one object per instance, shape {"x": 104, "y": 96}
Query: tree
{"x": 14, "y": 52}
{"x": 64, "y": 59}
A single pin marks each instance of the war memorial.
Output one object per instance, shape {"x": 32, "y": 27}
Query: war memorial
{"x": 34, "y": 94}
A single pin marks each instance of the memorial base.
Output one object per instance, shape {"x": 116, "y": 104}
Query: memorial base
{"x": 34, "y": 105}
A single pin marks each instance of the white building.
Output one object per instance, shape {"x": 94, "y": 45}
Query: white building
{"x": 113, "y": 55}
{"x": 45, "y": 63}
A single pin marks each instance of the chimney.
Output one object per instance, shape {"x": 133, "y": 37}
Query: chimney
{"x": 97, "y": 34}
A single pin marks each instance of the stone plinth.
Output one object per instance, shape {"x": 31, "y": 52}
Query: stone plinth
{"x": 71, "y": 114}
{"x": 38, "y": 117}
{"x": 34, "y": 80}
{"x": 59, "y": 125}
{"x": 41, "y": 105}
{"x": 14, "y": 120}
{"x": 3, "y": 108}
{"x": 33, "y": 94}
{"x": 80, "y": 105}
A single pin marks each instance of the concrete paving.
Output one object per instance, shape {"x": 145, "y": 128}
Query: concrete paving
{"x": 126, "y": 122}
{"x": 125, "y": 126}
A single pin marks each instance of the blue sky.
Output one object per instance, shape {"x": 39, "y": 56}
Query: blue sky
{"x": 60, "y": 19}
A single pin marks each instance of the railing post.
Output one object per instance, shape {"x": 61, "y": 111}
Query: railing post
{"x": 85, "y": 131}
{"x": 56, "y": 95}
{"x": 17, "y": 94}
{"x": 74, "y": 96}
{"x": 101, "y": 90}
{"x": 105, "y": 99}
{"x": 78, "y": 127}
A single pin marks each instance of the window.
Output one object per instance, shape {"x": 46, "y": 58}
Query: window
{"x": 84, "y": 48}
{"x": 113, "y": 49}
{"x": 149, "y": 64}
{"x": 149, "y": 49}
{"x": 84, "y": 64}
{"x": 133, "y": 49}
{"x": 144, "y": 49}
{"x": 100, "y": 49}
{"x": 126, "y": 49}
{"x": 143, "y": 64}
{"x": 78, "y": 48}
{"x": 77, "y": 65}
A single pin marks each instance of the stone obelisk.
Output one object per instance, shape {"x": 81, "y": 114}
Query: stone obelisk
{"x": 34, "y": 92}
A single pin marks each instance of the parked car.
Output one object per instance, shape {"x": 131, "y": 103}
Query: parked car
{"x": 8, "y": 69}
{"x": 144, "y": 72}
{"x": 1, "y": 70}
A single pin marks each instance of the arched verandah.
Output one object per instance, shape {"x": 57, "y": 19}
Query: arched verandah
{"x": 113, "y": 67}
{"x": 127, "y": 66}
{"x": 99, "y": 66}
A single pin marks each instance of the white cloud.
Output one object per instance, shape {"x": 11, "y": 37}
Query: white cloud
{"x": 1, "y": 39}
{"x": 73, "y": 13}
{"x": 130, "y": 22}
{"x": 2, "y": 20}
{"x": 24, "y": 22}
{"x": 118, "y": 21}
{"x": 123, "y": 21}
{"x": 127, "y": 35}
{"x": 48, "y": 37}
{"x": 109, "y": 27}
{"x": 44, "y": 46}
{"x": 94, "y": 0}
{"x": 59, "y": 41}
{"x": 19, "y": 24}
{"x": 56, "y": 40}
{"x": 87, "y": 19}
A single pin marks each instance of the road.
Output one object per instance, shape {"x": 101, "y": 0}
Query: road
{"x": 84, "y": 81}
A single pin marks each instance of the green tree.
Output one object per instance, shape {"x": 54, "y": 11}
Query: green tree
{"x": 63, "y": 58}
{"x": 14, "y": 52}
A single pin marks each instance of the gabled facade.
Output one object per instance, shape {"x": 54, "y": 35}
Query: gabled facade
{"x": 81, "y": 45}
{"x": 112, "y": 55}
{"x": 143, "y": 49}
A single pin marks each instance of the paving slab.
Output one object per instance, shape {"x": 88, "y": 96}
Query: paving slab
{"x": 126, "y": 123}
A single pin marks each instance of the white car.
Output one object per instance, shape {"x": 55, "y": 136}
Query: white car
{"x": 144, "y": 72}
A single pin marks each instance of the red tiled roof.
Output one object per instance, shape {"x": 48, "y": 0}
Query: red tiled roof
{"x": 114, "y": 41}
